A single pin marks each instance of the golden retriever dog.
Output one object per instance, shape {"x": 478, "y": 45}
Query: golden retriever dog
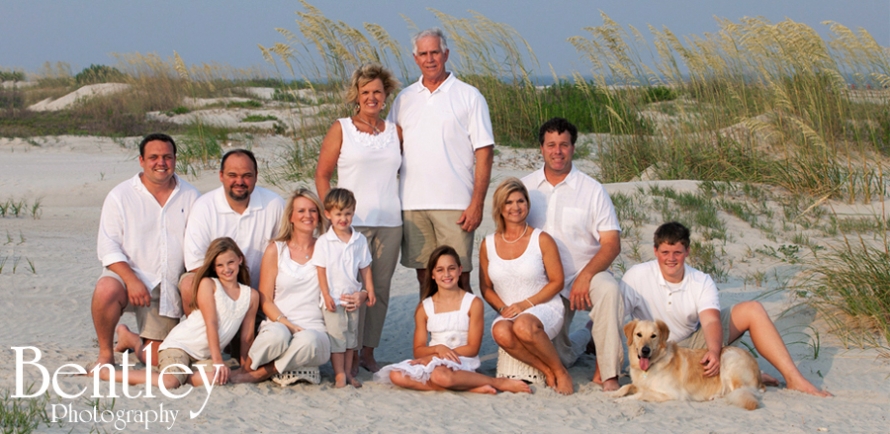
{"x": 662, "y": 371}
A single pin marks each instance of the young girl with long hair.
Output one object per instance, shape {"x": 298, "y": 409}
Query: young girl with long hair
{"x": 452, "y": 318}
{"x": 223, "y": 303}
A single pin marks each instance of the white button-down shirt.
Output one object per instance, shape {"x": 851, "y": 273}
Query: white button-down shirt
{"x": 647, "y": 296}
{"x": 134, "y": 228}
{"x": 341, "y": 262}
{"x": 573, "y": 212}
{"x": 212, "y": 218}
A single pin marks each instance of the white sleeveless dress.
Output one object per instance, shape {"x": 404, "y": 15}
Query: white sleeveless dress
{"x": 191, "y": 334}
{"x": 515, "y": 280}
{"x": 448, "y": 328}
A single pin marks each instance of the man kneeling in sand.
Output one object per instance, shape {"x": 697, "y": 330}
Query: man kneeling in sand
{"x": 686, "y": 299}
{"x": 141, "y": 232}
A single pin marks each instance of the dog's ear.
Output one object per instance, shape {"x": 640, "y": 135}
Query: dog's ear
{"x": 663, "y": 330}
{"x": 629, "y": 331}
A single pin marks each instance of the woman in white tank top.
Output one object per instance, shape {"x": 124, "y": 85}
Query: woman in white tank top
{"x": 366, "y": 152}
{"x": 520, "y": 277}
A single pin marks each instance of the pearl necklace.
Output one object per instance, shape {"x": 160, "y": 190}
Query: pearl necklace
{"x": 518, "y": 238}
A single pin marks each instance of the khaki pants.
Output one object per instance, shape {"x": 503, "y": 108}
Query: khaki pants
{"x": 697, "y": 339}
{"x": 149, "y": 322}
{"x": 289, "y": 351}
{"x": 384, "y": 243}
{"x": 606, "y": 313}
{"x": 425, "y": 230}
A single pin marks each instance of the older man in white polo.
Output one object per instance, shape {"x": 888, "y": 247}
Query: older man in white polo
{"x": 448, "y": 149}
{"x": 141, "y": 231}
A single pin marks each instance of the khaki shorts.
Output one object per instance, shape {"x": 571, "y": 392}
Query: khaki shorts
{"x": 175, "y": 356}
{"x": 697, "y": 339}
{"x": 150, "y": 323}
{"x": 341, "y": 327}
{"x": 425, "y": 230}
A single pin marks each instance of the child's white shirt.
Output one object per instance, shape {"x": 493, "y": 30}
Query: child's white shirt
{"x": 341, "y": 262}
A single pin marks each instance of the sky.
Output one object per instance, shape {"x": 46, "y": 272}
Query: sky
{"x": 85, "y": 32}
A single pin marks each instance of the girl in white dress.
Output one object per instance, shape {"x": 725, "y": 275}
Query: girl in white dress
{"x": 453, "y": 318}
{"x": 223, "y": 303}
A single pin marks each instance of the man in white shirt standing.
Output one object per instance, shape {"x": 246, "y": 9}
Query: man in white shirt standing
{"x": 448, "y": 150}
{"x": 686, "y": 300}
{"x": 577, "y": 212}
{"x": 239, "y": 209}
{"x": 141, "y": 230}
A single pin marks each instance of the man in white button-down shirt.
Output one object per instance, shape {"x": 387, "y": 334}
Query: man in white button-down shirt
{"x": 239, "y": 209}
{"x": 577, "y": 212}
{"x": 140, "y": 245}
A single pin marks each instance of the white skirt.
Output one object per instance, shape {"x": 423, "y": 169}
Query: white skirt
{"x": 550, "y": 314}
{"x": 421, "y": 373}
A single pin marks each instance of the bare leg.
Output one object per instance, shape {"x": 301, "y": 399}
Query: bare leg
{"x": 349, "y": 358}
{"x": 474, "y": 382}
{"x": 504, "y": 336}
{"x": 421, "y": 277}
{"x": 338, "y": 362}
{"x": 353, "y": 363}
{"x": 530, "y": 333}
{"x": 185, "y": 290}
{"x": 465, "y": 281}
{"x": 140, "y": 376}
{"x": 109, "y": 301}
{"x": 752, "y": 317}
{"x": 367, "y": 359}
{"x": 245, "y": 375}
{"x": 400, "y": 379}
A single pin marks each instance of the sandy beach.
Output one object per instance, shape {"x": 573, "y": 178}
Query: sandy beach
{"x": 51, "y": 268}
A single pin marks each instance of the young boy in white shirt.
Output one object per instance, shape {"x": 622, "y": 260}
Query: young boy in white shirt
{"x": 340, "y": 255}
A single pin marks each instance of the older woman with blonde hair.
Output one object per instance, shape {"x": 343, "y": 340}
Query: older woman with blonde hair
{"x": 366, "y": 152}
{"x": 293, "y": 336}
{"x": 520, "y": 276}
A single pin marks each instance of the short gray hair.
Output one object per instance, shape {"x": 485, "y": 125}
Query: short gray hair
{"x": 435, "y": 31}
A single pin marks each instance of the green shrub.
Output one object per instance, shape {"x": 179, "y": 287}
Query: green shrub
{"x": 94, "y": 74}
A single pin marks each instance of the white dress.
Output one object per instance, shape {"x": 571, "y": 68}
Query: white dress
{"x": 448, "y": 328}
{"x": 191, "y": 334}
{"x": 515, "y": 280}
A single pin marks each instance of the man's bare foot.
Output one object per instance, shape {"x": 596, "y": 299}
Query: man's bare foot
{"x": 564, "y": 384}
{"x": 340, "y": 380}
{"x": 807, "y": 387}
{"x": 354, "y": 382}
{"x": 126, "y": 340}
{"x": 514, "y": 386}
{"x": 769, "y": 380}
{"x": 609, "y": 385}
{"x": 91, "y": 367}
{"x": 486, "y": 389}
{"x": 245, "y": 375}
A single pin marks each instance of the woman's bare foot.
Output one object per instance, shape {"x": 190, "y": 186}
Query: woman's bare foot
{"x": 564, "y": 384}
{"x": 354, "y": 382}
{"x": 486, "y": 389}
{"x": 127, "y": 340}
{"x": 340, "y": 380}
{"x": 806, "y": 387}
{"x": 510, "y": 385}
{"x": 367, "y": 361}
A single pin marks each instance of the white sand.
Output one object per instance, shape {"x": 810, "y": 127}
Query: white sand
{"x": 50, "y": 310}
{"x": 80, "y": 94}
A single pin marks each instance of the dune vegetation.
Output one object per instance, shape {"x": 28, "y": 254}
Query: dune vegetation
{"x": 779, "y": 124}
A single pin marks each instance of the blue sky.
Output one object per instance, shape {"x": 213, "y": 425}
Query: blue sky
{"x": 228, "y": 31}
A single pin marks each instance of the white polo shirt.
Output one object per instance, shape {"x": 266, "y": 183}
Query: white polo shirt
{"x": 647, "y": 296}
{"x": 212, "y": 218}
{"x": 441, "y": 132}
{"x": 573, "y": 212}
{"x": 341, "y": 262}
{"x": 134, "y": 228}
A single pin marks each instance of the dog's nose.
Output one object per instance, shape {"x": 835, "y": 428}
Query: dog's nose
{"x": 645, "y": 351}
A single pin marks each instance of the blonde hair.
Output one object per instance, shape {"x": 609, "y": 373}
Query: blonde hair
{"x": 286, "y": 230}
{"x": 366, "y": 74}
{"x": 208, "y": 268}
{"x": 339, "y": 198}
{"x": 501, "y": 194}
